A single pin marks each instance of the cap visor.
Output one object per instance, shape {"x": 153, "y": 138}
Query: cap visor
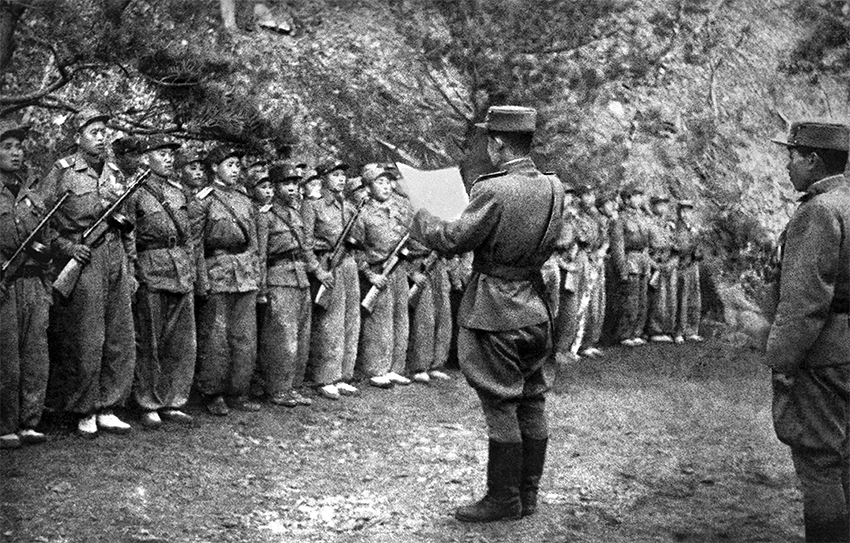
{"x": 481, "y": 125}
{"x": 781, "y": 142}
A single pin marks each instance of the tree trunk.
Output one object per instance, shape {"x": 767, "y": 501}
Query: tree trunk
{"x": 10, "y": 14}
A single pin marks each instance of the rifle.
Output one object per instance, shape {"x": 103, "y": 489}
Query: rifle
{"x": 337, "y": 252}
{"x": 95, "y": 234}
{"x": 390, "y": 264}
{"x": 427, "y": 265}
{"x": 29, "y": 247}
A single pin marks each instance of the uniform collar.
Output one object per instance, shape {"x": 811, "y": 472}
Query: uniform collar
{"x": 81, "y": 164}
{"x": 331, "y": 198}
{"x": 824, "y": 185}
{"x": 517, "y": 164}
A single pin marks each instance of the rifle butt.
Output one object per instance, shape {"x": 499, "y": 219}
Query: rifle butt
{"x": 323, "y": 297}
{"x": 371, "y": 299}
{"x": 68, "y": 278}
{"x": 413, "y": 294}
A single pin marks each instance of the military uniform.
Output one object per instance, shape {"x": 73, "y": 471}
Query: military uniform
{"x": 589, "y": 308}
{"x": 688, "y": 296}
{"x": 430, "y": 313}
{"x": 24, "y": 309}
{"x": 809, "y": 343}
{"x": 165, "y": 316}
{"x": 336, "y": 330}
{"x": 285, "y": 344}
{"x": 565, "y": 299}
{"x": 384, "y": 331}
{"x": 224, "y": 229}
{"x": 664, "y": 279}
{"x": 630, "y": 257}
{"x": 92, "y": 330}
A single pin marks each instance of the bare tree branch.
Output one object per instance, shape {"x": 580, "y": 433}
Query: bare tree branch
{"x": 439, "y": 88}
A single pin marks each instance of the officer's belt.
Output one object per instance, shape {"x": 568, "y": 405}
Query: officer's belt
{"x": 239, "y": 249}
{"x": 170, "y": 243}
{"x": 507, "y": 273}
{"x": 289, "y": 256}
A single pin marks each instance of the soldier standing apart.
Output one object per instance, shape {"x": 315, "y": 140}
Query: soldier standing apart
{"x": 336, "y": 327}
{"x": 505, "y": 346}
{"x": 664, "y": 276}
{"x": 688, "y": 299}
{"x": 285, "y": 343}
{"x": 592, "y": 238}
{"x": 383, "y": 332}
{"x": 93, "y": 327}
{"x": 630, "y": 256}
{"x": 809, "y": 344}
{"x": 224, "y": 229}
{"x": 24, "y": 301}
{"x": 164, "y": 308}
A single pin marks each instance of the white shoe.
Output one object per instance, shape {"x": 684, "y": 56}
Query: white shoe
{"x": 661, "y": 338}
{"x": 87, "y": 426}
{"x": 108, "y": 422}
{"x": 31, "y": 437}
{"x": 639, "y": 341}
{"x": 150, "y": 419}
{"x": 422, "y": 377}
{"x": 329, "y": 391}
{"x": 10, "y": 441}
{"x": 696, "y": 337}
{"x": 347, "y": 390}
{"x": 440, "y": 375}
{"x": 398, "y": 379}
{"x": 381, "y": 381}
{"x": 595, "y": 353}
{"x": 628, "y": 342}
{"x": 678, "y": 340}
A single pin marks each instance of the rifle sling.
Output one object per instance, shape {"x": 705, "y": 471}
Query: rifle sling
{"x": 166, "y": 206}
{"x": 235, "y": 216}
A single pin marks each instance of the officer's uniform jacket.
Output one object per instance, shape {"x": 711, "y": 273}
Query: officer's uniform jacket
{"x": 504, "y": 225}
{"x": 19, "y": 215}
{"x": 380, "y": 226}
{"x": 324, "y": 220}
{"x": 812, "y": 326}
{"x": 90, "y": 195}
{"x": 282, "y": 247}
{"x": 166, "y": 258}
{"x": 629, "y": 243}
{"x": 224, "y": 228}
{"x": 686, "y": 244}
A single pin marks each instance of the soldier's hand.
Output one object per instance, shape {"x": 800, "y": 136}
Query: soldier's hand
{"x": 419, "y": 278}
{"x": 82, "y": 253}
{"x": 378, "y": 280}
{"x": 785, "y": 379}
{"x": 326, "y": 278}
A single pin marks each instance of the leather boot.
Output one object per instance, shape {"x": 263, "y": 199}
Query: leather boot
{"x": 533, "y": 458}
{"x": 825, "y": 514}
{"x": 504, "y": 467}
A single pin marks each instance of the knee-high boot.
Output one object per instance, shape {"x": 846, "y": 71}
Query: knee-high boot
{"x": 533, "y": 458}
{"x": 502, "y": 502}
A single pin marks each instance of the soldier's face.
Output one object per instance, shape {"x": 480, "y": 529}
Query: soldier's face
{"x": 263, "y": 192}
{"x": 610, "y": 208}
{"x": 686, "y": 214}
{"x": 11, "y": 155}
{"x": 193, "y": 174}
{"x": 662, "y": 209}
{"x": 161, "y": 162}
{"x": 299, "y": 172}
{"x": 92, "y": 138}
{"x": 381, "y": 189}
{"x": 227, "y": 170}
{"x": 800, "y": 168}
{"x": 257, "y": 171}
{"x": 313, "y": 188}
{"x": 287, "y": 191}
{"x": 335, "y": 181}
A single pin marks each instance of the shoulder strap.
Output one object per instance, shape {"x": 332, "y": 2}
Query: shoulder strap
{"x": 239, "y": 222}
{"x": 166, "y": 206}
{"x": 297, "y": 233}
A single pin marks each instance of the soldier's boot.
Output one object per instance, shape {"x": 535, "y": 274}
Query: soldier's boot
{"x": 533, "y": 458}
{"x": 825, "y": 513}
{"x": 502, "y": 502}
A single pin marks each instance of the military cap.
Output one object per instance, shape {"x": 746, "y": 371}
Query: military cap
{"x": 329, "y": 165}
{"x": 220, "y": 153}
{"x": 686, "y": 203}
{"x": 817, "y": 135}
{"x": 310, "y": 175}
{"x": 152, "y": 143}
{"x": 283, "y": 173}
{"x": 88, "y": 115}
{"x": 12, "y": 129}
{"x": 659, "y": 198}
{"x": 256, "y": 160}
{"x": 373, "y": 171}
{"x": 187, "y": 155}
{"x": 510, "y": 119}
{"x": 631, "y": 190}
{"x": 126, "y": 145}
{"x": 300, "y": 164}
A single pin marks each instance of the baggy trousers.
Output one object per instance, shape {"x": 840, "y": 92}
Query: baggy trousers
{"x": 511, "y": 372}
{"x": 431, "y": 323}
{"x": 165, "y": 348}
{"x": 24, "y": 363}
{"x": 336, "y": 330}
{"x": 384, "y": 332}
{"x": 663, "y": 304}
{"x": 227, "y": 343}
{"x": 689, "y": 313}
{"x": 285, "y": 343}
{"x": 812, "y": 416}
{"x": 587, "y": 323}
{"x": 634, "y": 311}
{"x": 93, "y": 335}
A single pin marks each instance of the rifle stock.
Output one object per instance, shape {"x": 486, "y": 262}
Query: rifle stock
{"x": 323, "y": 294}
{"x": 390, "y": 264}
{"x": 427, "y": 266}
{"x": 92, "y": 237}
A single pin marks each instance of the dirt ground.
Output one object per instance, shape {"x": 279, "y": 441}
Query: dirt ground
{"x": 659, "y": 443}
